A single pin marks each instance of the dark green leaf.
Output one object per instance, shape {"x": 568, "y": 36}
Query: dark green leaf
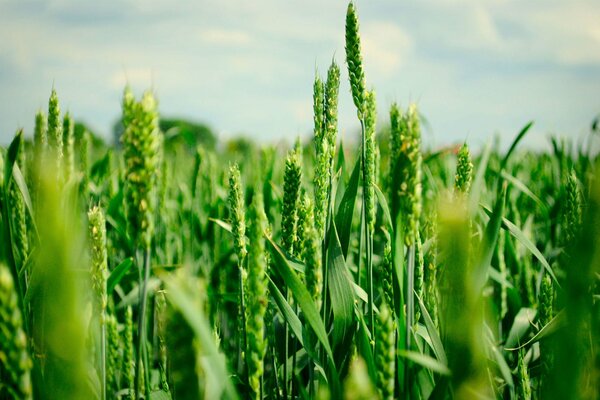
{"x": 117, "y": 274}
{"x": 343, "y": 219}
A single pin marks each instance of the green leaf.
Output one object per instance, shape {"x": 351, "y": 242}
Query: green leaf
{"x": 488, "y": 244}
{"x": 160, "y": 395}
{"x": 436, "y": 342}
{"x": 199, "y": 324}
{"x": 308, "y": 307}
{"x": 11, "y": 157}
{"x": 101, "y": 167}
{"x": 294, "y": 322}
{"x": 522, "y": 238}
{"x": 555, "y": 324}
{"x": 364, "y": 345}
{"x": 117, "y": 274}
{"x": 478, "y": 182}
{"x": 222, "y": 224}
{"x": 132, "y": 298}
{"x": 384, "y": 206}
{"x": 343, "y": 219}
{"x": 20, "y": 181}
{"x": 425, "y": 361}
{"x": 496, "y": 276}
{"x": 300, "y": 293}
{"x": 286, "y": 310}
{"x": 514, "y": 144}
{"x": 499, "y": 358}
{"x": 521, "y": 324}
{"x": 340, "y": 291}
{"x": 523, "y": 188}
{"x": 360, "y": 293}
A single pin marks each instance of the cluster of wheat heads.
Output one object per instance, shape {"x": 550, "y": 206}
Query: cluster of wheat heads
{"x": 371, "y": 271}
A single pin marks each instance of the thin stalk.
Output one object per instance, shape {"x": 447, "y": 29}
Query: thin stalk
{"x": 324, "y": 246}
{"x": 368, "y": 233}
{"x": 361, "y": 240}
{"x": 294, "y": 360}
{"x": 274, "y": 357}
{"x": 141, "y": 355}
{"x": 311, "y": 386}
{"x": 103, "y": 355}
{"x": 286, "y": 351}
{"x": 410, "y": 312}
{"x": 242, "y": 340}
{"x": 410, "y": 297}
{"x": 370, "y": 279}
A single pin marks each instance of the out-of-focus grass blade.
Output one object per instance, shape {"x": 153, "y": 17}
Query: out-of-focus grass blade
{"x": 384, "y": 206}
{"x": 498, "y": 358}
{"x": 201, "y": 328}
{"x": 479, "y": 182}
{"x": 425, "y": 361}
{"x": 360, "y": 293}
{"x": 514, "y": 144}
{"x": 490, "y": 238}
{"x": 132, "y": 298}
{"x": 521, "y": 324}
{"x": 436, "y": 342}
{"x": 421, "y": 330}
{"x": 523, "y": 188}
{"x": 160, "y": 395}
{"x": 343, "y": 218}
{"x": 364, "y": 345}
{"x": 11, "y": 157}
{"x": 222, "y": 224}
{"x": 497, "y": 276}
{"x": 117, "y": 274}
{"x": 22, "y": 185}
{"x": 522, "y": 238}
{"x": 116, "y": 218}
{"x": 101, "y": 167}
{"x": 555, "y": 324}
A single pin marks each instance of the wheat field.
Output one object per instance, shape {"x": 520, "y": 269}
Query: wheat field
{"x": 374, "y": 269}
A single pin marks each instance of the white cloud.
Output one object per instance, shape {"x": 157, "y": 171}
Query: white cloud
{"x": 223, "y": 37}
{"x": 385, "y": 47}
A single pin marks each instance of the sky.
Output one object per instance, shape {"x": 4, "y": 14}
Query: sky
{"x": 474, "y": 68}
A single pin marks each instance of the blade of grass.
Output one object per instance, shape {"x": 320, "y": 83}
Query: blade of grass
{"x": 522, "y": 238}
{"x": 425, "y": 361}
{"x": 514, "y": 144}
{"x": 345, "y": 213}
{"x": 488, "y": 244}
{"x": 478, "y": 183}
{"x": 521, "y": 324}
{"x": 340, "y": 292}
{"x": 384, "y": 207}
{"x": 302, "y": 296}
{"x": 556, "y": 323}
{"x": 436, "y": 342}
{"x": 201, "y": 328}
{"x": 117, "y": 274}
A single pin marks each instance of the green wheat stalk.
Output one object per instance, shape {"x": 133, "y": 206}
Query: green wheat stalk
{"x": 99, "y": 272}
{"x": 15, "y": 362}
{"x": 68, "y": 140}
{"x": 257, "y": 296}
